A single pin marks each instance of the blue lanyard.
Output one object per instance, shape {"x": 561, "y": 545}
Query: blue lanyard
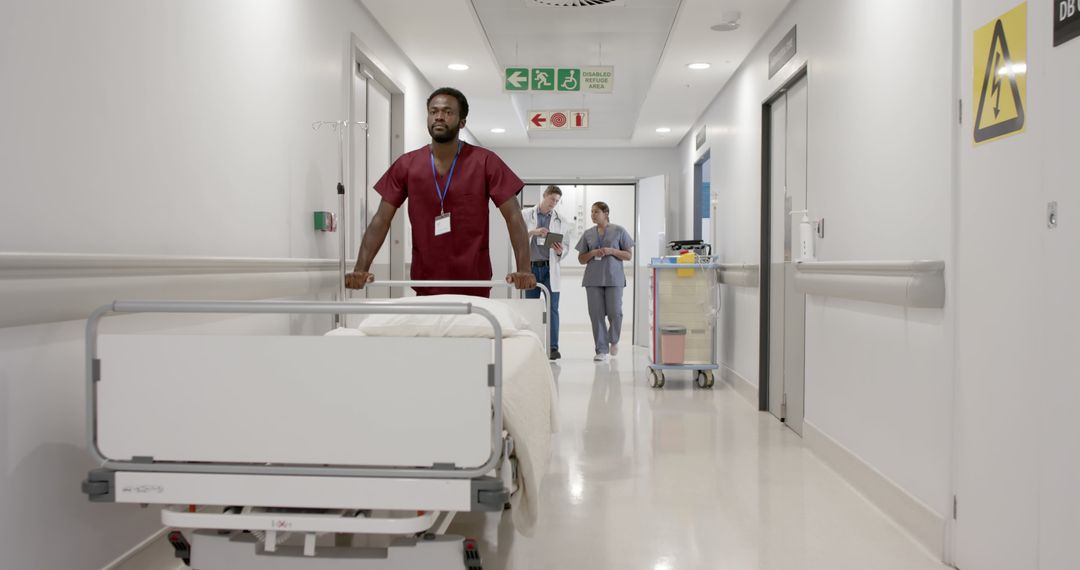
{"x": 440, "y": 191}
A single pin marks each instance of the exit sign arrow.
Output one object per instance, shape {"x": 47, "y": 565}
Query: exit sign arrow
{"x": 516, "y": 79}
{"x": 538, "y": 119}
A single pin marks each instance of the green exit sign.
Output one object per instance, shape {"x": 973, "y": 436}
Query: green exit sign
{"x": 553, "y": 79}
{"x": 542, "y": 79}
{"x": 516, "y": 79}
{"x": 568, "y": 79}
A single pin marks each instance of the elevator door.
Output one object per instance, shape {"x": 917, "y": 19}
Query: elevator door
{"x": 787, "y": 307}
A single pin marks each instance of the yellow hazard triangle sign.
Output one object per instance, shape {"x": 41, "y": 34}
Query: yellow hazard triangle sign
{"x": 1000, "y": 76}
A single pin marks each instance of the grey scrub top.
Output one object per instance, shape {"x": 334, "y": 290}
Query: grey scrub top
{"x": 608, "y": 270}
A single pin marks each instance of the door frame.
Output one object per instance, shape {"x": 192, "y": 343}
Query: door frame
{"x": 699, "y": 181}
{"x": 360, "y": 61}
{"x": 765, "y": 253}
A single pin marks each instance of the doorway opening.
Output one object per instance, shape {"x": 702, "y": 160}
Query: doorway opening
{"x": 574, "y": 208}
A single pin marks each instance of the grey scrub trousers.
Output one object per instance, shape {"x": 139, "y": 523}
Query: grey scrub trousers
{"x": 604, "y": 282}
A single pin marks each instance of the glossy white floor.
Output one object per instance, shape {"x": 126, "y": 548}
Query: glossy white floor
{"x": 684, "y": 478}
{"x": 673, "y": 479}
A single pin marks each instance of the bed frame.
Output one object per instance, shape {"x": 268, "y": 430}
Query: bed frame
{"x": 277, "y": 474}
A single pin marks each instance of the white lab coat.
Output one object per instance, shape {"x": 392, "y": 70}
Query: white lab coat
{"x": 556, "y": 226}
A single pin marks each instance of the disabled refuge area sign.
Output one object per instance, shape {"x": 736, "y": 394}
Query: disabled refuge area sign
{"x": 596, "y": 79}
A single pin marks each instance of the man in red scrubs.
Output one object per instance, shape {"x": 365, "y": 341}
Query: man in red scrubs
{"x": 448, "y": 185}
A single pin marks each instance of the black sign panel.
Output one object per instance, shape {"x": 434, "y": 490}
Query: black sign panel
{"x": 1066, "y": 20}
{"x": 783, "y": 52}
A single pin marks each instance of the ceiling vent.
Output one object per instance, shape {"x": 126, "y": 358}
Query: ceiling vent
{"x": 574, "y": 3}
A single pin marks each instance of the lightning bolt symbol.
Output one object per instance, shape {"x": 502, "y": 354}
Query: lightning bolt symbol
{"x": 995, "y": 90}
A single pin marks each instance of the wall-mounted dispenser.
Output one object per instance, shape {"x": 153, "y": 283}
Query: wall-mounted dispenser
{"x": 325, "y": 221}
{"x": 806, "y": 237}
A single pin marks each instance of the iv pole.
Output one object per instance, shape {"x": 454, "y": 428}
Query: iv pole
{"x": 340, "y": 127}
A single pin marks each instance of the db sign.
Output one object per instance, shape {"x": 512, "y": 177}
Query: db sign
{"x": 1066, "y": 21}
{"x": 551, "y": 120}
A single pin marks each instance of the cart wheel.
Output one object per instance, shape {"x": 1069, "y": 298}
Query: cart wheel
{"x": 699, "y": 379}
{"x": 472, "y": 555}
{"x": 660, "y": 381}
{"x": 654, "y": 379}
{"x": 709, "y": 379}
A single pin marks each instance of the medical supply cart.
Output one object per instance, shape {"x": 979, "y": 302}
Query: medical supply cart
{"x": 685, "y": 303}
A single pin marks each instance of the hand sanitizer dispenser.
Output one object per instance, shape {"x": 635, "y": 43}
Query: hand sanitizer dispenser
{"x": 806, "y": 237}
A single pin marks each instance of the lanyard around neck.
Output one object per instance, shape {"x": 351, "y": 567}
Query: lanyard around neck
{"x": 449, "y": 177}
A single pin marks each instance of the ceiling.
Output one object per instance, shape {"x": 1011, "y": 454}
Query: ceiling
{"x": 648, "y": 42}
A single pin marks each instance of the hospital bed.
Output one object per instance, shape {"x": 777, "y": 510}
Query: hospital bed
{"x": 340, "y": 451}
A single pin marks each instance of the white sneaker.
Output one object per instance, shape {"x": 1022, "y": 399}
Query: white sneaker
{"x": 600, "y": 358}
{"x": 614, "y": 349}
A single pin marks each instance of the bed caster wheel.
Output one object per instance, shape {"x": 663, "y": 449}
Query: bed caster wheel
{"x": 472, "y": 555}
{"x": 656, "y": 378}
{"x": 181, "y": 547}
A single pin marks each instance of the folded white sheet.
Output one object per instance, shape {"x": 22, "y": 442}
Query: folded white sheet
{"x": 530, "y": 415}
{"x": 473, "y": 325}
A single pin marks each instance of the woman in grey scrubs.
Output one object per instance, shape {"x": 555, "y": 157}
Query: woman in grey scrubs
{"x": 602, "y": 249}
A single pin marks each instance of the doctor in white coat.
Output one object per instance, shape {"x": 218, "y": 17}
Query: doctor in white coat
{"x": 541, "y": 220}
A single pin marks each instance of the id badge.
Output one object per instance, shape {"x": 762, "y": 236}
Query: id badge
{"x": 442, "y": 224}
{"x": 541, "y": 240}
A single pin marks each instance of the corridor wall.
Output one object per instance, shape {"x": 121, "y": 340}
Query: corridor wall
{"x": 1017, "y": 307}
{"x": 176, "y": 128}
{"x": 881, "y": 110}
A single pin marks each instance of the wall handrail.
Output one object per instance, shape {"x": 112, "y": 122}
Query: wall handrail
{"x": 909, "y": 283}
{"x": 37, "y": 288}
{"x": 738, "y": 274}
{"x": 22, "y": 265}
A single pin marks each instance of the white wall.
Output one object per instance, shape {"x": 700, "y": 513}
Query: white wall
{"x": 179, "y": 127}
{"x": 878, "y": 378}
{"x": 152, "y": 128}
{"x": 1017, "y": 379}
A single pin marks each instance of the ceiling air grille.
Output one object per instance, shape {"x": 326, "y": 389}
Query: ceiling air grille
{"x": 575, "y": 3}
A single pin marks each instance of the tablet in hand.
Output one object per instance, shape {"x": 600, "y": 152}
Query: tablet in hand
{"x": 550, "y": 240}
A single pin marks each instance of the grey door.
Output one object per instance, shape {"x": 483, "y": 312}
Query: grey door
{"x": 787, "y": 307}
{"x": 371, "y": 151}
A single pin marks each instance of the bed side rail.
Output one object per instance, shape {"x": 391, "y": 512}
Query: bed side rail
{"x": 93, "y": 375}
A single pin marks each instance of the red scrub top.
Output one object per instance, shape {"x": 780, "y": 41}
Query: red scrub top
{"x": 462, "y": 253}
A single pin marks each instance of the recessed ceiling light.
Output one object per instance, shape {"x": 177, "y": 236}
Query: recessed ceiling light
{"x": 458, "y": 66}
{"x": 663, "y": 130}
{"x": 698, "y": 65}
{"x": 498, "y": 130}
